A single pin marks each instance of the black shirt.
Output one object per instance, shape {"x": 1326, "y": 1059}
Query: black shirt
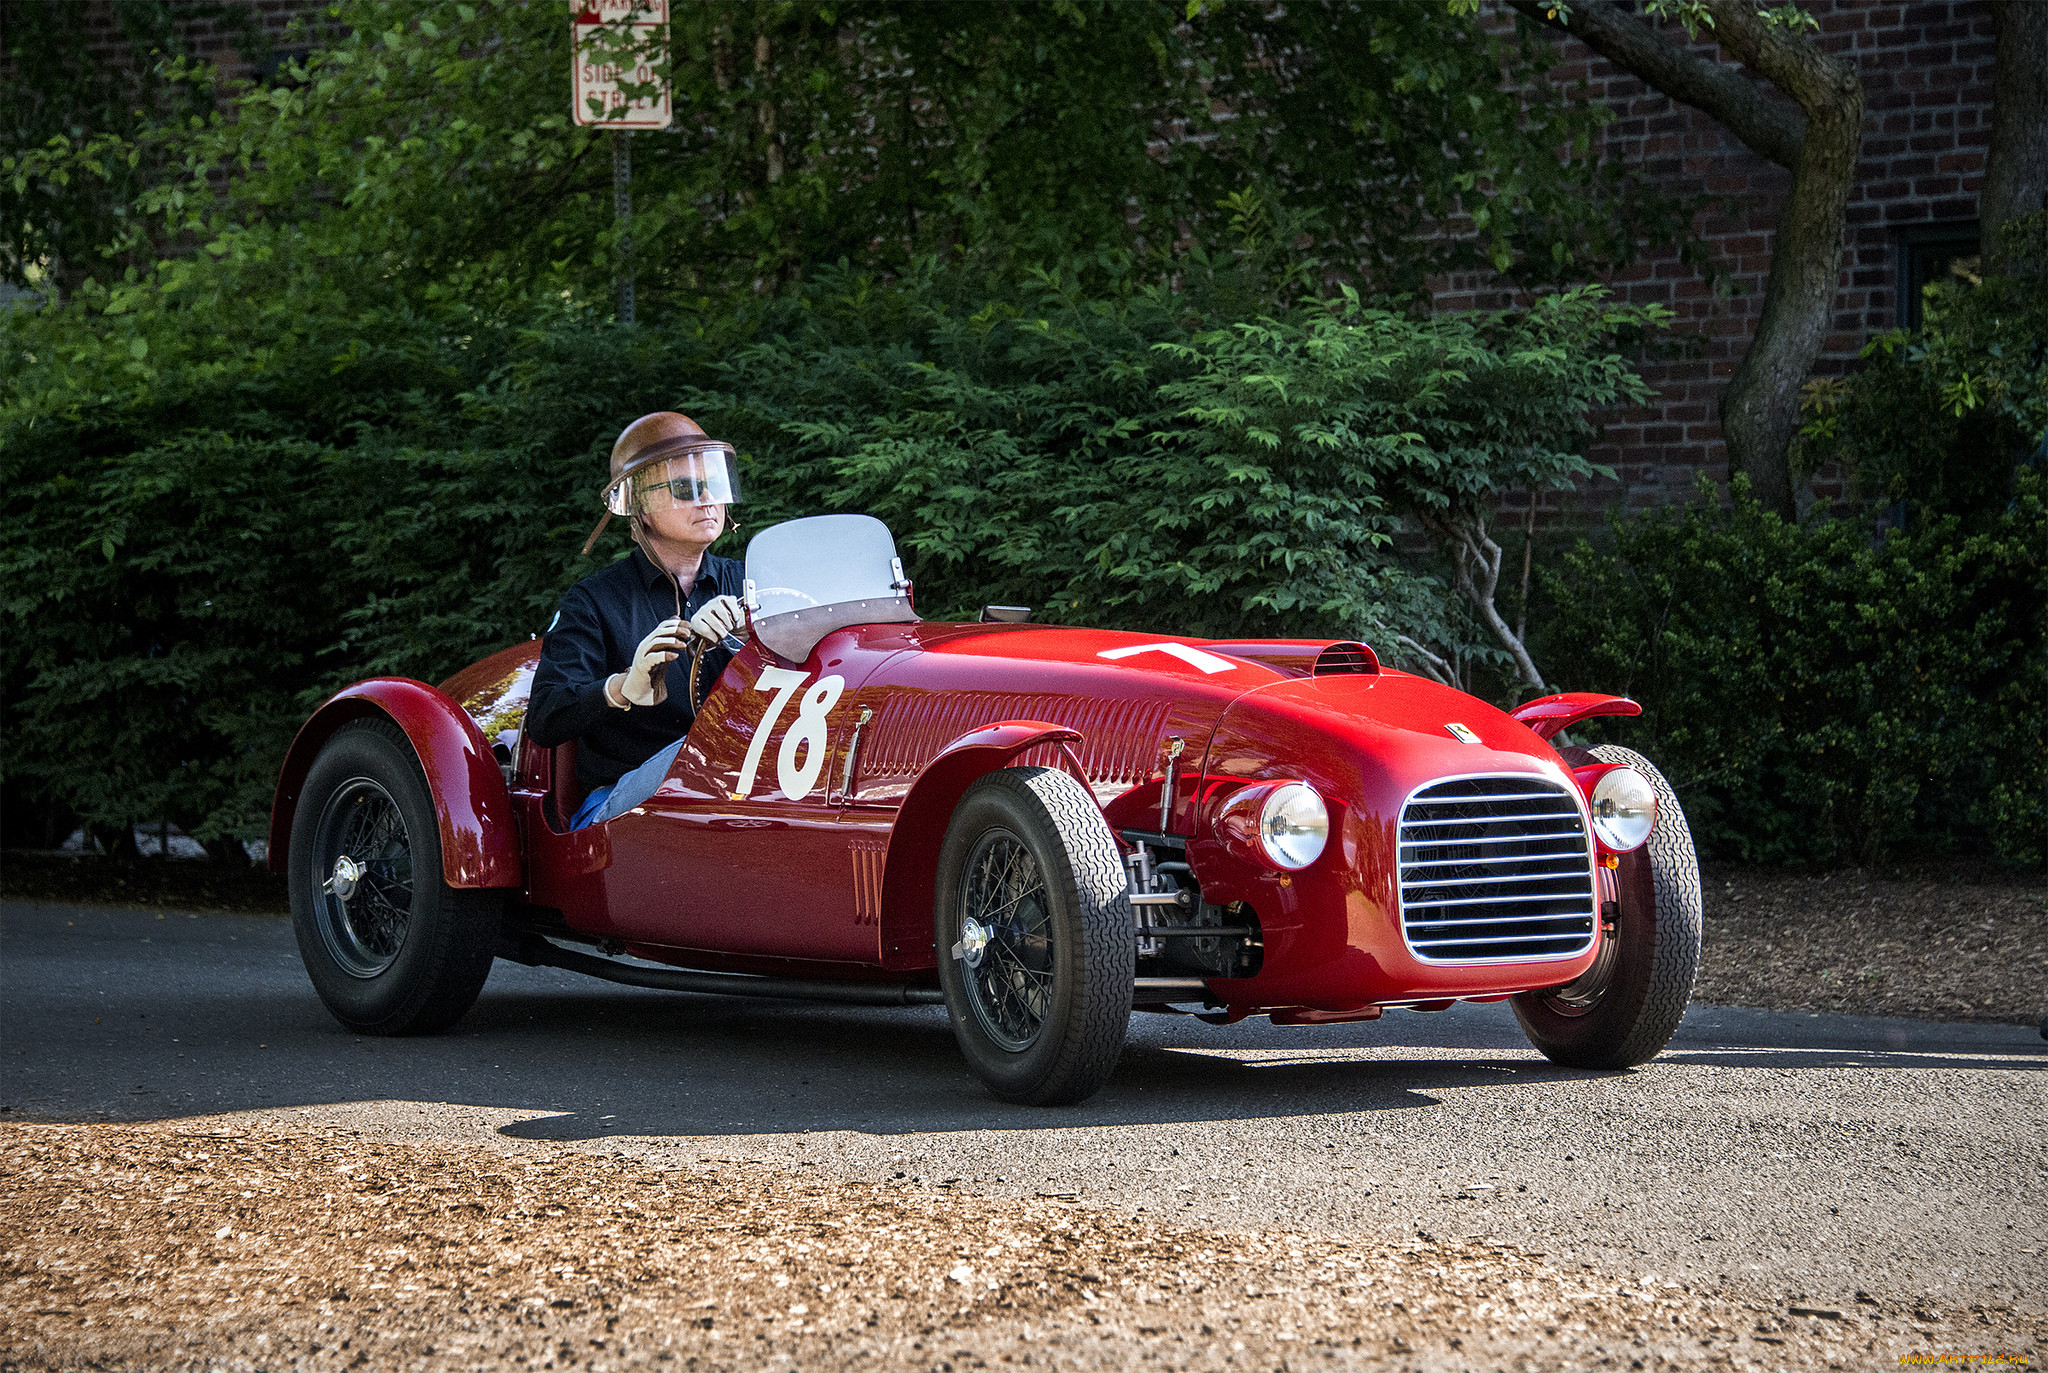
{"x": 602, "y": 620}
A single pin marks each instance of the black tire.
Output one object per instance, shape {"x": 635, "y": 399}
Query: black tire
{"x": 1041, "y": 1005}
{"x": 395, "y": 951}
{"x": 1628, "y": 1005}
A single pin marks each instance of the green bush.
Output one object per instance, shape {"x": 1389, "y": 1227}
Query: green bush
{"x": 190, "y": 563}
{"x": 1118, "y": 461}
{"x": 183, "y": 577}
{"x": 1937, "y": 420}
{"x": 1817, "y": 697}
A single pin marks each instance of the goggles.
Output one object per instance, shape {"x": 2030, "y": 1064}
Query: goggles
{"x": 704, "y": 474}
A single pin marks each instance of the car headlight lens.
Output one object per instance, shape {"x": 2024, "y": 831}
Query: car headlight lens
{"x": 1624, "y": 809}
{"x": 1294, "y": 825}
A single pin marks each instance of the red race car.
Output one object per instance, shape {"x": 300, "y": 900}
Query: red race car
{"x": 1042, "y": 828}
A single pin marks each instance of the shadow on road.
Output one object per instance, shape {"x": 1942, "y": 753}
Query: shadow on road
{"x": 129, "y": 1015}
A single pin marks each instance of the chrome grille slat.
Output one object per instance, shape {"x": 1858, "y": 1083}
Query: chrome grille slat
{"x": 1552, "y": 916}
{"x": 1575, "y": 857}
{"x": 1497, "y": 796}
{"x": 1472, "y": 871}
{"x": 1490, "y": 838}
{"x": 1519, "y": 939}
{"x": 1417, "y": 876}
{"x": 1494, "y": 819}
{"x": 1494, "y": 900}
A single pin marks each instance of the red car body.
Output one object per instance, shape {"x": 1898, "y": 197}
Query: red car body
{"x": 732, "y": 866}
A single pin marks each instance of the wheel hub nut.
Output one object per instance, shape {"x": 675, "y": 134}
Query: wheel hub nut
{"x": 973, "y": 939}
{"x": 347, "y": 872}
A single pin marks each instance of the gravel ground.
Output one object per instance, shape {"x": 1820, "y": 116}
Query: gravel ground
{"x": 1942, "y": 943}
{"x": 211, "y": 1245}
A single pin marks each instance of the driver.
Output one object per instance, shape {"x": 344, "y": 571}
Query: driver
{"x": 614, "y": 669}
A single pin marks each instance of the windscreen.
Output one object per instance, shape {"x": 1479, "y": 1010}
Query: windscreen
{"x": 811, "y": 576}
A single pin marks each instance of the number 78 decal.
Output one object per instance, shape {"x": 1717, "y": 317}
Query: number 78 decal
{"x": 808, "y": 733}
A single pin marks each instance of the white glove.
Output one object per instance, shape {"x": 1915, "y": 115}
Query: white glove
{"x": 646, "y": 682}
{"x": 720, "y": 616}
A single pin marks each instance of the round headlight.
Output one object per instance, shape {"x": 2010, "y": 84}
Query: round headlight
{"x": 1624, "y": 809}
{"x": 1294, "y": 825}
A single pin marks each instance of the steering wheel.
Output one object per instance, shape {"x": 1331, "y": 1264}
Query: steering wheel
{"x": 698, "y": 648}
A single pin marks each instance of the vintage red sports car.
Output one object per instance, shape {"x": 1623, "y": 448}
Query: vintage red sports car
{"x": 1041, "y": 827}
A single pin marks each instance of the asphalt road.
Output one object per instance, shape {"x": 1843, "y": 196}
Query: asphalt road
{"x": 1807, "y": 1157}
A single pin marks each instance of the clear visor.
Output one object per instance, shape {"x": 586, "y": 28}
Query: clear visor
{"x": 703, "y": 476}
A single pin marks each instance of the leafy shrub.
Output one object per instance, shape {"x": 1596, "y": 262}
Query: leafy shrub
{"x": 1816, "y": 697}
{"x": 1937, "y": 419}
{"x": 190, "y": 558}
{"x": 183, "y": 578}
{"x": 1118, "y": 463}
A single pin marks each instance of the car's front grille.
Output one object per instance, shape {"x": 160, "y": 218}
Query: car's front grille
{"x": 1494, "y": 869}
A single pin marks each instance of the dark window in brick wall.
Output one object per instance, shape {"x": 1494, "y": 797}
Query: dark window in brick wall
{"x": 1925, "y": 254}
{"x": 270, "y": 68}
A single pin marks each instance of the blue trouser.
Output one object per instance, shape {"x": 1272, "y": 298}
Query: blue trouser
{"x": 604, "y": 803}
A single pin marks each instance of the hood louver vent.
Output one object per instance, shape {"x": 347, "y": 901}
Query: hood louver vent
{"x": 1345, "y": 658}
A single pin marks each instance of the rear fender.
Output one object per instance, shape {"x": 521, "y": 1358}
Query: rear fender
{"x": 910, "y": 871}
{"x": 479, "y": 844}
{"x": 1547, "y": 715}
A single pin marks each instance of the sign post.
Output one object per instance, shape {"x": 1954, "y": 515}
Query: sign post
{"x": 620, "y": 81}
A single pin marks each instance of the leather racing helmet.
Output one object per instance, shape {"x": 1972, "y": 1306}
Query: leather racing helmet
{"x": 664, "y": 460}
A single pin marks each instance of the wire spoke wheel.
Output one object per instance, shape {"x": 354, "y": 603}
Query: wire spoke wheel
{"x": 362, "y": 877}
{"x": 1010, "y": 978}
{"x": 392, "y": 949}
{"x": 1033, "y": 933}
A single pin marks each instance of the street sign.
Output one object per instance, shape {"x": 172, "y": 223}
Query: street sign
{"x": 598, "y": 41}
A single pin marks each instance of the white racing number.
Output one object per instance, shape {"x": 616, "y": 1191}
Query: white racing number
{"x": 1193, "y": 657}
{"x": 808, "y": 733}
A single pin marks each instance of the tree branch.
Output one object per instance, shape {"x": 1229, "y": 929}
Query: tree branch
{"x": 1788, "y": 60}
{"x": 1768, "y": 128}
{"x": 1471, "y": 548}
{"x": 1434, "y": 666}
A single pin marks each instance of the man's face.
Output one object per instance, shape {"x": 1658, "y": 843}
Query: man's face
{"x": 698, "y": 523}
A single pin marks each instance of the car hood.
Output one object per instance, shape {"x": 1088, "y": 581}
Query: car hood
{"x": 1371, "y": 739}
{"x": 1125, "y": 694}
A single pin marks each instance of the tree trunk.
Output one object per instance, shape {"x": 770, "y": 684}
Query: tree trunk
{"x": 2016, "y": 167}
{"x": 1760, "y": 410}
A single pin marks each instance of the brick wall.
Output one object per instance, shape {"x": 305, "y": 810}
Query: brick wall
{"x": 212, "y": 39}
{"x": 1926, "y": 73}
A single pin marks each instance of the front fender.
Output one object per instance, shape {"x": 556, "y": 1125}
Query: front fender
{"x": 479, "y": 843}
{"x": 1547, "y": 715}
{"x": 909, "y": 872}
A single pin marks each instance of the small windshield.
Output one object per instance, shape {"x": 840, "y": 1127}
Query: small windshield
{"x": 810, "y": 576}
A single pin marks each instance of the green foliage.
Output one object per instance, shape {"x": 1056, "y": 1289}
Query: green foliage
{"x": 190, "y": 564}
{"x": 54, "y": 95}
{"x": 160, "y": 613}
{"x": 184, "y": 576}
{"x": 1938, "y": 419}
{"x": 1116, "y": 462}
{"x": 424, "y": 154}
{"x": 1816, "y": 698}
